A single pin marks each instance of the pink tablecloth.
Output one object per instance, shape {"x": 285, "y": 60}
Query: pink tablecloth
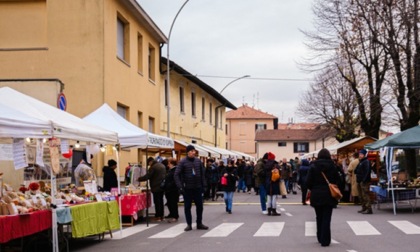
{"x": 131, "y": 204}
{"x": 12, "y": 227}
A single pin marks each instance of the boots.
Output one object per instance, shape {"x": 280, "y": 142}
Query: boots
{"x": 274, "y": 212}
{"x": 362, "y": 210}
{"x": 269, "y": 210}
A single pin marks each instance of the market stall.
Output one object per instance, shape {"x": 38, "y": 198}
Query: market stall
{"x": 395, "y": 188}
{"x": 130, "y": 136}
{"x": 23, "y": 117}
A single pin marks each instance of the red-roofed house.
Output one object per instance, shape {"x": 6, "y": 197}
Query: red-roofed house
{"x": 291, "y": 143}
{"x": 242, "y": 125}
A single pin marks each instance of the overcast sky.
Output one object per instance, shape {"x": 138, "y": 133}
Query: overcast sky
{"x": 233, "y": 38}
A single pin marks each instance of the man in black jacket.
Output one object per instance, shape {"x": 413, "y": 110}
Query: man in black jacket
{"x": 362, "y": 172}
{"x": 190, "y": 180}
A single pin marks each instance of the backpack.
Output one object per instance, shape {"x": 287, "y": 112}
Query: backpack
{"x": 275, "y": 175}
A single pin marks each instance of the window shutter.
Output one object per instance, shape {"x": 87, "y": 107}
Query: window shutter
{"x": 265, "y": 126}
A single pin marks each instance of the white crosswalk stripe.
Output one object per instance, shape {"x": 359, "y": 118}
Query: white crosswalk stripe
{"x": 310, "y": 228}
{"x": 172, "y": 231}
{"x": 268, "y": 229}
{"x": 223, "y": 230}
{"x": 406, "y": 226}
{"x": 363, "y": 228}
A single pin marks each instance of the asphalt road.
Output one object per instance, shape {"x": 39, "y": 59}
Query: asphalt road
{"x": 247, "y": 229}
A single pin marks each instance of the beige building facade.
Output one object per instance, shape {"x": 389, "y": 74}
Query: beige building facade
{"x": 242, "y": 125}
{"x": 103, "y": 51}
{"x": 193, "y": 104}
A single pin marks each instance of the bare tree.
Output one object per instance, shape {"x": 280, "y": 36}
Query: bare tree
{"x": 331, "y": 101}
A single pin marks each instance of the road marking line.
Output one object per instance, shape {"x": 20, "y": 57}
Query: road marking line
{"x": 406, "y": 226}
{"x": 172, "y": 232}
{"x": 310, "y": 228}
{"x": 363, "y": 228}
{"x": 116, "y": 235}
{"x": 223, "y": 230}
{"x": 270, "y": 229}
{"x": 282, "y": 209}
{"x": 334, "y": 241}
{"x": 289, "y": 214}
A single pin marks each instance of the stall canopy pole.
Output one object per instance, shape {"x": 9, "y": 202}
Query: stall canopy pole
{"x": 147, "y": 192}
{"x": 389, "y": 157}
{"x": 119, "y": 188}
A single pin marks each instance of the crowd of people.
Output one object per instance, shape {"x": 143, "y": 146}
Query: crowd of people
{"x": 268, "y": 178}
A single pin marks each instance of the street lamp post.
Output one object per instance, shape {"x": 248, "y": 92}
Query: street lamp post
{"x": 216, "y": 119}
{"x": 168, "y": 71}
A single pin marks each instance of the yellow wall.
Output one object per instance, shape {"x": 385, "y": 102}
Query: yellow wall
{"x": 184, "y": 126}
{"x": 75, "y": 42}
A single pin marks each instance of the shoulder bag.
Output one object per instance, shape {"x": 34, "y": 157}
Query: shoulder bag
{"x": 334, "y": 190}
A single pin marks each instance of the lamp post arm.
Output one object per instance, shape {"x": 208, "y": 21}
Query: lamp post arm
{"x": 168, "y": 74}
{"x": 227, "y": 85}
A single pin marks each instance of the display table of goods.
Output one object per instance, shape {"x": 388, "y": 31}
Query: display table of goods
{"x": 133, "y": 202}
{"x": 405, "y": 192}
{"x": 24, "y": 212}
{"x": 88, "y": 214}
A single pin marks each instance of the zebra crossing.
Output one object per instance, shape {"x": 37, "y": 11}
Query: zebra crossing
{"x": 266, "y": 229}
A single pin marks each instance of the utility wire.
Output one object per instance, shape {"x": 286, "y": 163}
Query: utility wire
{"x": 249, "y": 78}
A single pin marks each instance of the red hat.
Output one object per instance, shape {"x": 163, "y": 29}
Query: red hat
{"x": 271, "y": 156}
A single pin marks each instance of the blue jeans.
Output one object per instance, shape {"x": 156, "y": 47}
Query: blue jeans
{"x": 228, "y": 197}
{"x": 241, "y": 184}
{"x": 263, "y": 196}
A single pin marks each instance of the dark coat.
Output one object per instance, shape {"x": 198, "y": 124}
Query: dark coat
{"x": 110, "y": 178}
{"x": 303, "y": 172}
{"x": 248, "y": 177}
{"x": 215, "y": 174}
{"x": 170, "y": 184}
{"x": 363, "y": 171}
{"x": 272, "y": 187}
{"x": 231, "y": 178}
{"x": 155, "y": 175}
{"x": 189, "y": 174}
{"x": 320, "y": 192}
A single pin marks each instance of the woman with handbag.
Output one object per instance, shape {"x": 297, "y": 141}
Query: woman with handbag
{"x": 321, "y": 199}
{"x": 228, "y": 184}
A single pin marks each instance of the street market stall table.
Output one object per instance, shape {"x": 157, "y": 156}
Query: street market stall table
{"x": 402, "y": 195}
{"x": 132, "y": 204}
{"x": 17, "y": 226}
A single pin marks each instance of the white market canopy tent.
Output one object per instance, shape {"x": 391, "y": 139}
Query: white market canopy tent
{"x": 349, "y": 145}
{"x": 129, "y": 135}
{"x": 24, "y": 116}
{"x": 202, "y": 152}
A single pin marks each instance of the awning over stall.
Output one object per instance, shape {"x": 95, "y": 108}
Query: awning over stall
{"x": 129, "y": 134}
{"x": 37, "y": 119}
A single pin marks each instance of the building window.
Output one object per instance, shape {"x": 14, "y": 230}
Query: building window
{"x": 281, "y": 144}
{"x": 151, "y": 125}
{"x": 152, "y": 62}
{"x": 203, "y": 109}
{"x": 140, "y": 119}
{"x": 260, "y": 126}
{"x": 211, "y": 113}
{"x": 181, "y": 99}
{"x": 139, "y": 53}
{"x": 166, "y": 93}
{"x": 221, "y": 119}
{"x": 301, "y": 147}
{"x": 193, "y": 104}
{"x": 122, "y": 111}
{"x": 123, "y": 42}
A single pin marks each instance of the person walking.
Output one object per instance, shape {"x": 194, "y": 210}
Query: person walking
{"x": 249, "y": 180}
{"x": 285, "y": 169}
{"x": 110, "y": 177}
{"x": 240, "y": 167}
{"x": 303, "y": 173}
{"x": 321, "y": 199}
{"x": 155, "y": 174}
{"x": 214, "y": 178}
{"x": 363, "y": 171}
{"x": 171, "y": 192}
{"x": 353, "y": 180}
{"x": 231, "y": 175}
{"x": 272, "y": 184}
{"x": 260, "y": 177}
{"x": 191, "y": 183}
